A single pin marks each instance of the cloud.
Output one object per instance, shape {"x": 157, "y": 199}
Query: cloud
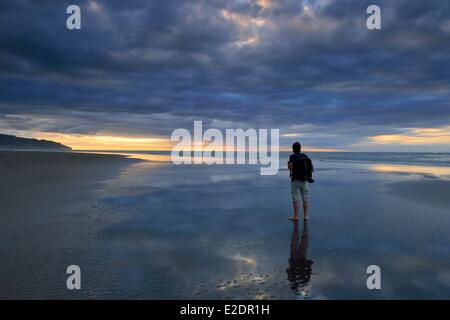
{"x": 270, "y": 64}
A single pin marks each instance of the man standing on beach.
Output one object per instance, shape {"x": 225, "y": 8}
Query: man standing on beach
{"x": 301, "y": 168}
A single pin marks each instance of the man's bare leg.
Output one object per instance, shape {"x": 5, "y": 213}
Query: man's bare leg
{"x": 296, "y": 205}
{"x": 305, "y": 209}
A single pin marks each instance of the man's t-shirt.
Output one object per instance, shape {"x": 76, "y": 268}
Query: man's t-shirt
{"x": 302, "y": 167}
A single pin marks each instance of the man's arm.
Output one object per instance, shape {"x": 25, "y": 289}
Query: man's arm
{"x": 310, "y": 165}
{"x": 289, "y": 164}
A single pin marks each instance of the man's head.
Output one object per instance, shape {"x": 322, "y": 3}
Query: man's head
{"x": 296, "y": 147}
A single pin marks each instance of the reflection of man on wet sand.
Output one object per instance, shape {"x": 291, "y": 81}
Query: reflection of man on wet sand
{"x": 299, "y": 271}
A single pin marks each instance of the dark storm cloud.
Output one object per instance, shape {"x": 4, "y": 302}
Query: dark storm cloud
{"x": 152, "y": 66}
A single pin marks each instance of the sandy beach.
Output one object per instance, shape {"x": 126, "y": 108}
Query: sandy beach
{"x": 152, "y": 230}
{"x": 49, "y": 216}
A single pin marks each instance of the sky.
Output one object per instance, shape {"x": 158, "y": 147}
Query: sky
{"x": 137, "y": 70}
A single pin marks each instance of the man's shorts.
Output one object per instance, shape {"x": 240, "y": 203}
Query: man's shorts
{"x": 299, "y": 191}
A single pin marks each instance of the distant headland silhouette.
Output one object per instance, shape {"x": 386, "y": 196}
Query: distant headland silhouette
{"x": 10, "y": 142}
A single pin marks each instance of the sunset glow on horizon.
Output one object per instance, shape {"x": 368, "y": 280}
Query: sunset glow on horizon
{"x": 416, "y": 136}
{"x": 121, "y": 143}
{"x": 107, "y": 142}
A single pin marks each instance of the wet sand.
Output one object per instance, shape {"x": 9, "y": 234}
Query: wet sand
{"x": 152, "y": 230}
{"x": 430, "y": 192}
{"x": 49, "y": 216}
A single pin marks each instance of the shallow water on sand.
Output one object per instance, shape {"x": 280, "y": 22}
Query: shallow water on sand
{"x": 221, "y": 232}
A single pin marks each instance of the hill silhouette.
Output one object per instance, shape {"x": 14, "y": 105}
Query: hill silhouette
{"x": 10, "y": 142}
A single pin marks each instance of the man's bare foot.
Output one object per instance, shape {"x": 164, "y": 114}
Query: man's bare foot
{"x": 293, "y": 218}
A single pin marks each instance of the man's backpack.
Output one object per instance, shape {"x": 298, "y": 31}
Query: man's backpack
{"x": 302, "y": 167}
